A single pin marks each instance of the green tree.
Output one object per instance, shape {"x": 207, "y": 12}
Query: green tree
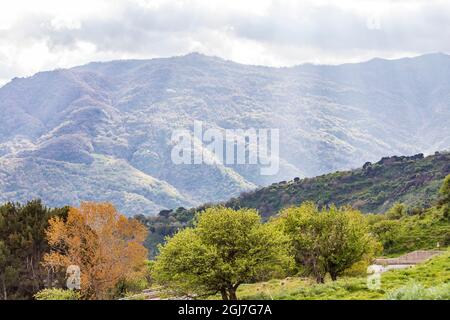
{"x": 327, "y": 240}
{"x": 224, "y": 249}
{"x": 387, "y": 232}
{"x": 445, "y": 190}
{"x": 397, "y": 211}
{"x": 445, "y": 197}
{"x": 22, "y": 246}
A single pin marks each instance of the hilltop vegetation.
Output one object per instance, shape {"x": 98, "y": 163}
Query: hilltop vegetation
{"x": 374, "y": 188}
{"x": 401, "y": 231}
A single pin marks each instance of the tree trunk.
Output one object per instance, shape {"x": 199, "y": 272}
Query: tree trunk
{"x": 232, "y": 293}
{"x": 223, "y": 292}
{"x": 5, "y": 296}
{"x": 320, "y": 279}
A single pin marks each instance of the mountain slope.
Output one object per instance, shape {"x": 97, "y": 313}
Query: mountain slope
{"x": 374, "y": 188}
{"x": 61, "y": 130}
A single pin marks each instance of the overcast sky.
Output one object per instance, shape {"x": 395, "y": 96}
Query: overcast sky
{"x": 47, "y": 34}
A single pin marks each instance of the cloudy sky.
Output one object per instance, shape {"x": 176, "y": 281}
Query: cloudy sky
{"x": 48, "y": 34}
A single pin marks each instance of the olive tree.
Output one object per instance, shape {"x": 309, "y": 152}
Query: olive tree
{"x": 224, "y": 249}
{"x": 328, "y": 240}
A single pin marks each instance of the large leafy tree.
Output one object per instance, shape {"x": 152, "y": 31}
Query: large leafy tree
{"x": 224, "y": 249}
{"x": 22, "y": 246}
{"x": 106, "y": 246}
{"x": 328, "y": 240}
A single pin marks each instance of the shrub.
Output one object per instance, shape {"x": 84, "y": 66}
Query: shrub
{"x": 416, "y": 291}
{"x": 57, "y": 294}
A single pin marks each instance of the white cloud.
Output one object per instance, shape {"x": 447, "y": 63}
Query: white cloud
{"x": 47, "y": 34}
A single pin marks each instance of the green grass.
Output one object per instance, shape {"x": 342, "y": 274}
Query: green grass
{"x": 431, "y": 274}
{"x": 416, "y": 291}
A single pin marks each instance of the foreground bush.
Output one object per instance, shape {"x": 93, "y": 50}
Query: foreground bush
{"x": 57, "y": 294}
{"x": 415, "y": 291}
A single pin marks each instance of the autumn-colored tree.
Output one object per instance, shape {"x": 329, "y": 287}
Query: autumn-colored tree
{"x": 106, "y": 246}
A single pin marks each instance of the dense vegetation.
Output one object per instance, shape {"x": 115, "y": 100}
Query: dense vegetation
{"x": 222, "y": 251}
{"x": 37, "y": 244}
{"x": 22, "y": 247}
{"x": 375, "y": 188}
{"x": 426, "y": 229}
{"x": 399, "y": 232}
{"x": 104, "y": 244}
{"x": 166, "y": 223}
{"x": 227, "y": 248}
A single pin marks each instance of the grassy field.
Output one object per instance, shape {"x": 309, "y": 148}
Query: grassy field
{"x": 434, "y": 273}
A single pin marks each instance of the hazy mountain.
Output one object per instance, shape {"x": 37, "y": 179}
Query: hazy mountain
{"x": 102, "y": 131}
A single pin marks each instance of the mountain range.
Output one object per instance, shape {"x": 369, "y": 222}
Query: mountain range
{"x": 102, "y": 131}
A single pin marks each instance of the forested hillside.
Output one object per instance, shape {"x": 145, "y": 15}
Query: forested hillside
{"x": 374, "y": 188}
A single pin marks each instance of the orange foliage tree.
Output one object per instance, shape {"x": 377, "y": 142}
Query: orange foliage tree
{"x": 107, "y": 246}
